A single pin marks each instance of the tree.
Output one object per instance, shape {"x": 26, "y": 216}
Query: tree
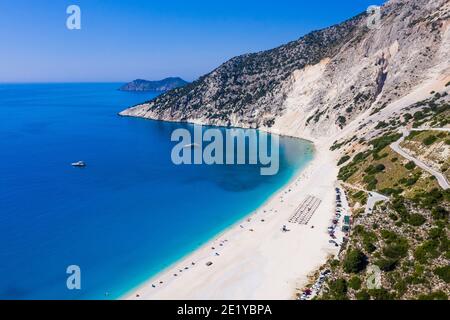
{"x": 386, "y": 264}
{"x": 338, "y": 289}
{"x": 355, "y": 261}
{"x": 397, "y": 249}
{"x": 429, "y": 140}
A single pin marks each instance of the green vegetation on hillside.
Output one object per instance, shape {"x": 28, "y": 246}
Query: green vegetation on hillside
{"x": 382, "y": 170}
{"x": 432, "y": 146}
{"x": 407, "y": 237}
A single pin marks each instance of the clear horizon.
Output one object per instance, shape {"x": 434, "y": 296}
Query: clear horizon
{"x": 183, "y": 39}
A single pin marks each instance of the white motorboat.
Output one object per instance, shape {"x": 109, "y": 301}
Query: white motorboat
{"x": 79, "y": 164}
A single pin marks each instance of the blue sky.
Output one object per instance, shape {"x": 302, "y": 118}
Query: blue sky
{"x": 128, "y": 39}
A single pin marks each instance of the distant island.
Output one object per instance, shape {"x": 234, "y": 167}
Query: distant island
{"x": 159, "y": 85}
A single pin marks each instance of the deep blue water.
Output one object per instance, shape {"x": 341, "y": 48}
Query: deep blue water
{"x": 124, "y": 217}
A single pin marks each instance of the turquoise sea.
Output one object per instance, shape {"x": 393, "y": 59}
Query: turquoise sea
{"x": 129, "y": 213}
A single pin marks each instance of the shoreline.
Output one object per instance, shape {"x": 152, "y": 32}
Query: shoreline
{"x": 205, "y": 272}
{"x": 200, "y": 123}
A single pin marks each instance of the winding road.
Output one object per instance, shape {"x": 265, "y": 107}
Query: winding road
{"x": 442, "y": 180}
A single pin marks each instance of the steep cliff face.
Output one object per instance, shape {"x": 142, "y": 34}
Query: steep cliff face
{"x": 318, "y": 85}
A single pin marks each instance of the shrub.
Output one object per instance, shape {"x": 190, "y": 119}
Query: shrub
{"x": 360, "y": 156}
{"x": 343, "y": 160}
{"x": 338, "y": 289}
{"x": 362, "y": 295}
{"x": 416, "y": 219}
{"x": 341, "y": 120}
{"x": 381, "y": 294}
{"x": 388, "y": 235}
{"x": 407, "y": 117}
{"x": 382, "y": 142}
{"x": 426, "y": 251}
{"x": 396, "y": 246}
{"x": 369, "y": 169}
{"x": 377, "y": 156}
{"x": 396, "y": 250}
{"x": 358, "y": 229}
{"x": 334, "y": 263}
{"x": 435, "y": 233}
{"x": 391, "y": 191}
{"x": 355, "y": 261}
{"x": 399, "y": 206}
{"x": 369, "y": 179}
{"x": 381, "y": 124}
{"x": 443, "y": 273}
{"x": 414, "y": 279}
{"x": 431, "y": 199}
{"x": 437, "y": 295}
{"x": 361, "y": 197}
{"x": 371, "y": 182}
{"x": 370, "y": 247}
{"x": 445, "y": 243}
{"x": 368, "y": 238}
{"x": 410, "y": 165}
{"x": 429, "y": 140}
{"x": 439, "y": 213}
{"x": 355, "y": 283}
{"x": 401, "y": 287}
{"x": 419, "y": 115}
{"x": 375, "y": 169}
{"x": 410, "y": 181}
{"x": 393, "y": 217}
{"x": 386, "y": 264}
{"x": 347, "y": 171}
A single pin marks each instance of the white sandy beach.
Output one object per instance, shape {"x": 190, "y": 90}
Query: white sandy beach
{"x": 254, "y": 259}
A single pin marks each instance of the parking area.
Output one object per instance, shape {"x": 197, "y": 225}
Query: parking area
{"x": 340, "y": 223}
{"x": 310, "y": 293}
